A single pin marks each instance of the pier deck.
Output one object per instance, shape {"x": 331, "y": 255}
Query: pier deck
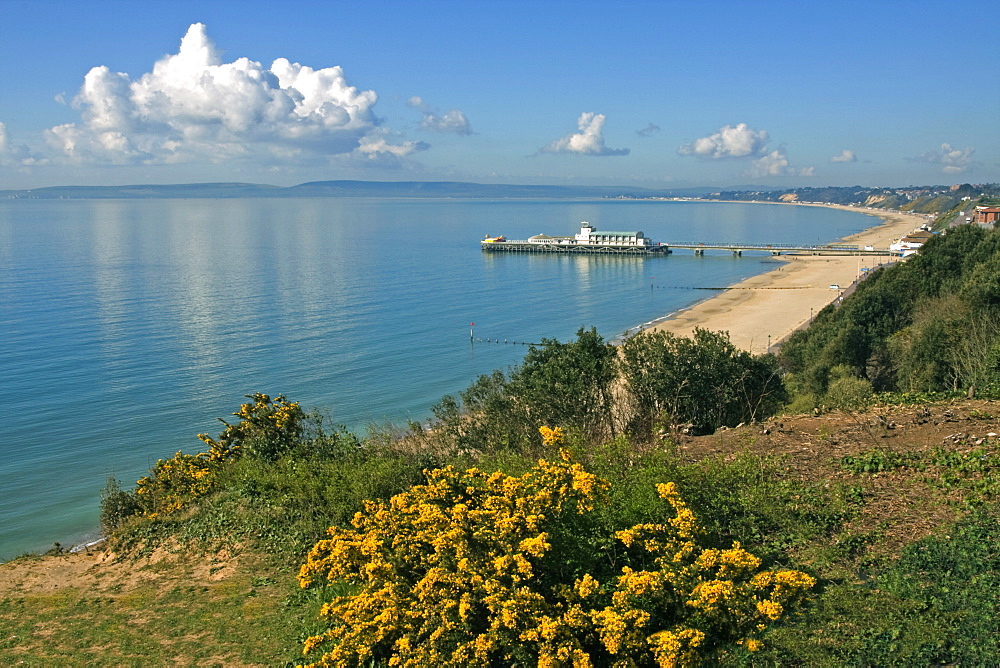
{"x": 782, "y": 249}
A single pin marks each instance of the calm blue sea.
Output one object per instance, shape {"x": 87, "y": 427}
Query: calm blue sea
{"x": 128, "y": 326}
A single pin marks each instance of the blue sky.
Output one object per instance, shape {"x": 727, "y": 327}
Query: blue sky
{"x": 654, "y": 94}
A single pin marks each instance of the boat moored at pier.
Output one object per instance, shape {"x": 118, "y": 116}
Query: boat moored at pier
{"x": 587, "y": 240}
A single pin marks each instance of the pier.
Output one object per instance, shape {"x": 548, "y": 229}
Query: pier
{"x": 738, "y": 249}
{"x": 591, "y": 241}
{"x": 699, "y": 248}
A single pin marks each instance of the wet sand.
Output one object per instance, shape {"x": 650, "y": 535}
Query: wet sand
{"x": 764, "y": 309}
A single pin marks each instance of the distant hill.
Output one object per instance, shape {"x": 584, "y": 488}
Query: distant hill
{"x": 188, "y": 190}
{"x": 943, "y": 201}
{"x": 425, "y": 189}
{"x": 922, "y": 199}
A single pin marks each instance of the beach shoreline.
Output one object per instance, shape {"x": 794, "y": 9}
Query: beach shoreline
{"x": 765, "y": 309}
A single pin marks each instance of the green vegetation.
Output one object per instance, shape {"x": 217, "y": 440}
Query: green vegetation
{"x": 655, "y": 380}
{"x": 593, "y": 552}
{"x": 931, "y": 324}
{"x": 866, "y": 607}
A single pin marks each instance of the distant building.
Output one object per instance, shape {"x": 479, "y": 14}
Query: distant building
{"x": 912, "y": 242}
{"x": 589, "y": 235}
{"x": 987, "y": 215}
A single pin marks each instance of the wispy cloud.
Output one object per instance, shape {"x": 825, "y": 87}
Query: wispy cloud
{"x": 17, "y": 154}
{"x": 376, "y": 150}
{"x": 452, "y": 121}
{"x": 844, "y": 156}
{"x": 649, "y": 130}
{"x": 588, "y": 141}
{"x": 954, "y": 161}
{"x": 730, "y": 141}
{"x": 192, "y": 106}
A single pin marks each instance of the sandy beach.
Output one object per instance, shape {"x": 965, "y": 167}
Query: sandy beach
{"x": 764, "y": 309}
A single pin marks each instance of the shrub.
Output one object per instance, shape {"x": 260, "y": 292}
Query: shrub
{"x": 846, "y": 390}
{"x": 704, "y": 380}
{"x": 482, "y": 569}
{"x": 266, "y": 429}
{"x": 117, "y": 505}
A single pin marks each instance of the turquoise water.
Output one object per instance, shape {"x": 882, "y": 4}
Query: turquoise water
{"x": 128, "y": 326}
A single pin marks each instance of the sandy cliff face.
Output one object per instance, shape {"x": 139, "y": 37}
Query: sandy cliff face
{"x": 874, "y": 200}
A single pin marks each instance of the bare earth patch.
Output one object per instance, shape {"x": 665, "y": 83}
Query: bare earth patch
{"x": 98, "y": 572}
{"x": 901, "y": 503}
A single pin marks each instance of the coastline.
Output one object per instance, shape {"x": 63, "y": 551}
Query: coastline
{"x": 763, "y": 310}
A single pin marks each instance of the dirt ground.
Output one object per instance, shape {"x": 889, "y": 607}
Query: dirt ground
{"x": 100, "y": 573}
{"x": 900, "y": 504}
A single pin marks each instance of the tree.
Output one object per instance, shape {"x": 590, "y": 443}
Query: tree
{"x": 564, "y": 383}
{"x": 704, "y": 380}
{"x": 487, "y": 416}
{"x": 919, "y": 325}
{"x": 568, "y": 383}
{"x": 974, "y": 356}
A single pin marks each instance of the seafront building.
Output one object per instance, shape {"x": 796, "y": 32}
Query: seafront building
{"x": 587, "y": 240}
{"x": 590, "y": 236}
{"x": 912, "y": 242}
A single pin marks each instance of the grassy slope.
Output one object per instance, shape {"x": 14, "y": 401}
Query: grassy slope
{"x": 840, "y": 495}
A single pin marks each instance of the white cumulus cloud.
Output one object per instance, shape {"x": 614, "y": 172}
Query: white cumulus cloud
{"x": 955, "y": 160}
{"x": 742, "y": 142}
{"x": 192, "y": 105}
{"x": 739, "y": 141}
{"x": 775, "y": 163}
{"x": 588, "y": 141}
{"x": 452, "y": 121}
{"x": 844, "y": 156}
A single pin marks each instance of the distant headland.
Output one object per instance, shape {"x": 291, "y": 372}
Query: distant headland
{"x": 401, "y": 189}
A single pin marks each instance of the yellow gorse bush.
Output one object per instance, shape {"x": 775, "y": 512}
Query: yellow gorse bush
{"x": 479, "y": 569}
{"x": 264, "y": 424}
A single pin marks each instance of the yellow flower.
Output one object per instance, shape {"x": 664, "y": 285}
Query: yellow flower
{"x": 586, "y": 585}
{"x": 535, "y": 546}
{"x": 445, "y": 573}
{"x": 770, "y": 609}
{"x": 551, "y": 436}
